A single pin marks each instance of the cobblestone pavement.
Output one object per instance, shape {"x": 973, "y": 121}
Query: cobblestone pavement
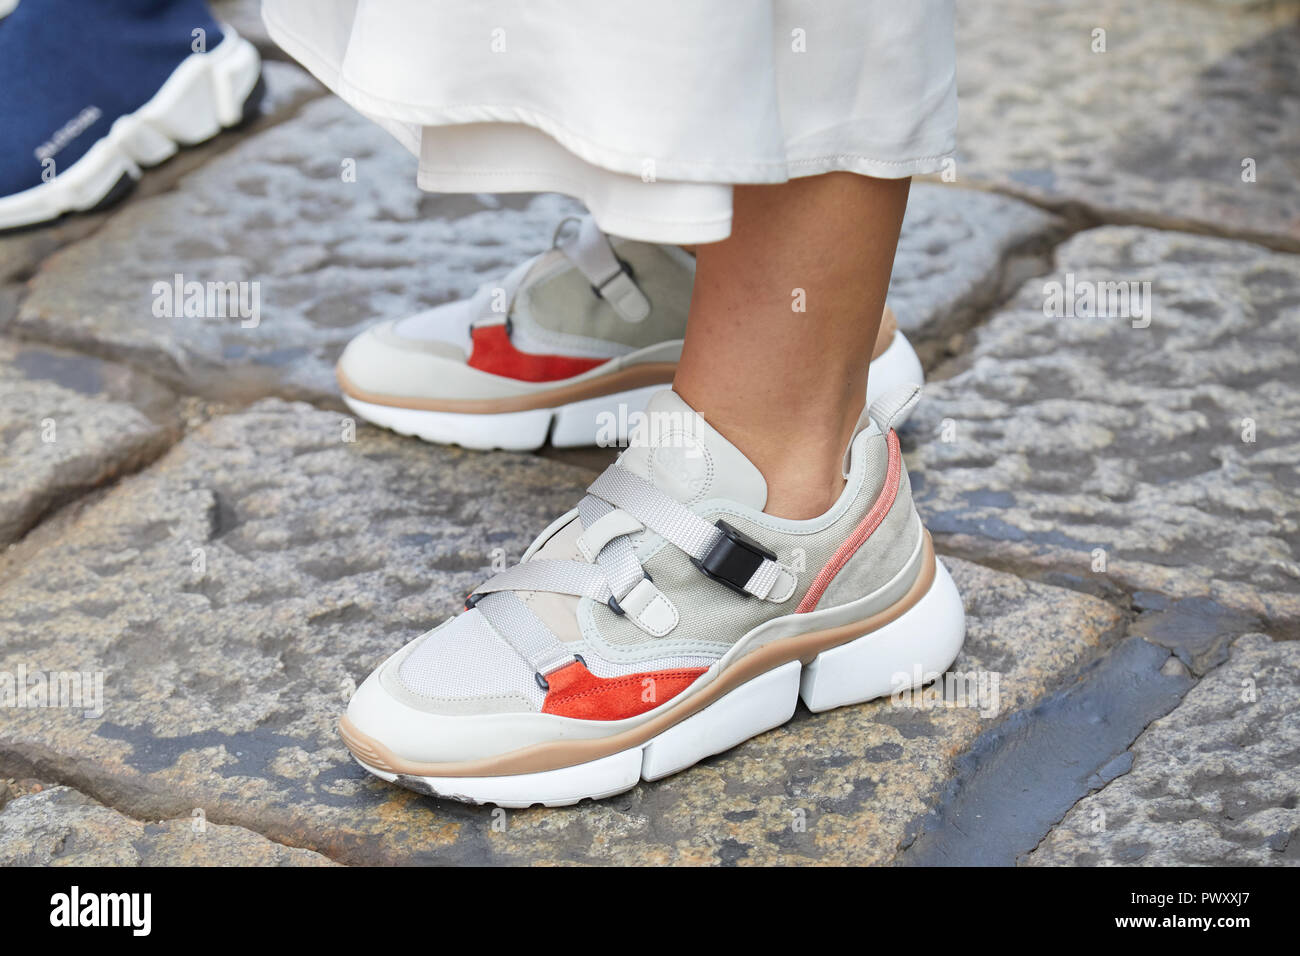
{"x": 1118, "y": 497}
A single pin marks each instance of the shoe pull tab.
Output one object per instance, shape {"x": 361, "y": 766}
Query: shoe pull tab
{"x": 894, "y": 405}
{"x": 886, "y": 411}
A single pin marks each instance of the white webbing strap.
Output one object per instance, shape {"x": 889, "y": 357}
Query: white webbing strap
{"x": 659, "y": 512}
{"x": 524, "y": 631}
{"x": 492, "y": 301}
{"x": 615, "y": 523}
{"x": 617, "y": 575}
{"x": 557, "y": 577}
{"x": 592, "y": 253}
{"x": 617, "y": 559}
{"x": 672, "y": 520}
{"x": 633, "y": 593}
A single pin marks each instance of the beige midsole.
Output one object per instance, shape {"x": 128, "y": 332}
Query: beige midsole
{"x": 642, "y": 375}
{"x": 624, "y": 380}
{"x": 567, "y": 753}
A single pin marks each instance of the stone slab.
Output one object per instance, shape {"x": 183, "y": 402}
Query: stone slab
{"x": 1173, "y": 446}
{"x": 327, "y": 256}
{"x": 70, "y": 423}
{"x": 1216, "y": 781}
{"x": 1021, "y": 776}
{"x": 1154, "y": 130}
{"x": 60, "y": 827}
{"x": 234, "y": 594}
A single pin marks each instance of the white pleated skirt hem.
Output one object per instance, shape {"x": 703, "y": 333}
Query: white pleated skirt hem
{"x": 511, "y": 148}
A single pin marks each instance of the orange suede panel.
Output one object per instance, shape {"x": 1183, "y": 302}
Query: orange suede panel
{"x": 577, "y": 692}
{"x": 495, "y": 353}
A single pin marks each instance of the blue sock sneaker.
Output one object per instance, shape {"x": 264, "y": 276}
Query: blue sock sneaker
{"x": 100, "y": 90}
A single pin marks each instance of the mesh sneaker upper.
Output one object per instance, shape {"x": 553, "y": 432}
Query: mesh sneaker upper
{"x": 468, "y": 663}
{"x": 71, "y": 68}
{"x": 553, "y": 309}
{"x": 465, "y": 659}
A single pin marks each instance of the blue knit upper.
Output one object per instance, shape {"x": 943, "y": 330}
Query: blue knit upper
{"x": 69, "y": 68}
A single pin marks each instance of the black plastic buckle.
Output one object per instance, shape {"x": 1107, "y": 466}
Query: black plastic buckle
{"x": 733, "y": 560}
{"x": 623, "y": 267}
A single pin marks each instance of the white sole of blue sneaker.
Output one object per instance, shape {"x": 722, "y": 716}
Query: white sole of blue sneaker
{"x": 205, "y": 94}
{"x": 593, "y": 421}
{"x": 912, "y": 649}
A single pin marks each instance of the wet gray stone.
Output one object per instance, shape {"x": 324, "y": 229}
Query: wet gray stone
{"x": 1023, "y": 775}
{"x": 1198, "y": 630}
{"x": 960, "y": 252}
{"x": 1216, "y": 781}
{"x": 70, "y": 423}
{"x": 1155, "y": 129}
{"x": 324, "y": 256}
{"x": 235, "y": 593}
{"x": 1063, "y": 436}
{"x": 328, "y": 257}
{"x": 61, "y": 827}
{"x": 287, "y": 88}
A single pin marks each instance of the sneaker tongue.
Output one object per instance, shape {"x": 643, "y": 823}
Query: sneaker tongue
{"x": 675, "y": 449}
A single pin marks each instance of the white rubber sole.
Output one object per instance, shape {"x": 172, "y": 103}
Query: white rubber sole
{"x": 205, "y": 94}
{"x": 568, "y": 426}
{"x": 924, "y": 640}
{"x": 593, "y": 421}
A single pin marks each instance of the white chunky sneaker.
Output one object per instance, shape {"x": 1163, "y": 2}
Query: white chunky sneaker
{"x": 665, "y": 619}
{"x": 569, "y": 346}
{"x": 78, "y": 137}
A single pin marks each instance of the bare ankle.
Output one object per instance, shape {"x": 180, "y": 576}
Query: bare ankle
{"x": 799, "y": 497}
{"x": 803, "y": 467}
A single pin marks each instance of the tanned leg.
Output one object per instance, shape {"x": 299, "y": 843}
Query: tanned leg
{"x": 785, "y": 386}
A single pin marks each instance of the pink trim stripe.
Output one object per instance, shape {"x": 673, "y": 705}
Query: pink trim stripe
{"x": 862, "y": 532}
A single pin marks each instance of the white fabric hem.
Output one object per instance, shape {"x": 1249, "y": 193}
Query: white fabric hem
{"x": 413, "y": 117}
{"x": 503, "y": 148}
{"x": 611, "y": 217}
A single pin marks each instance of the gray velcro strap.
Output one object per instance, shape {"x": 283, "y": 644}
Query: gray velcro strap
{"x": 894, "y": 405}
{"x": 672, "y": 520}
{"x": 591, "y": 252}
{"x": 621, "y": 291}
{"x": 524, "y": 631}
{"x": 557, "y": 577}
